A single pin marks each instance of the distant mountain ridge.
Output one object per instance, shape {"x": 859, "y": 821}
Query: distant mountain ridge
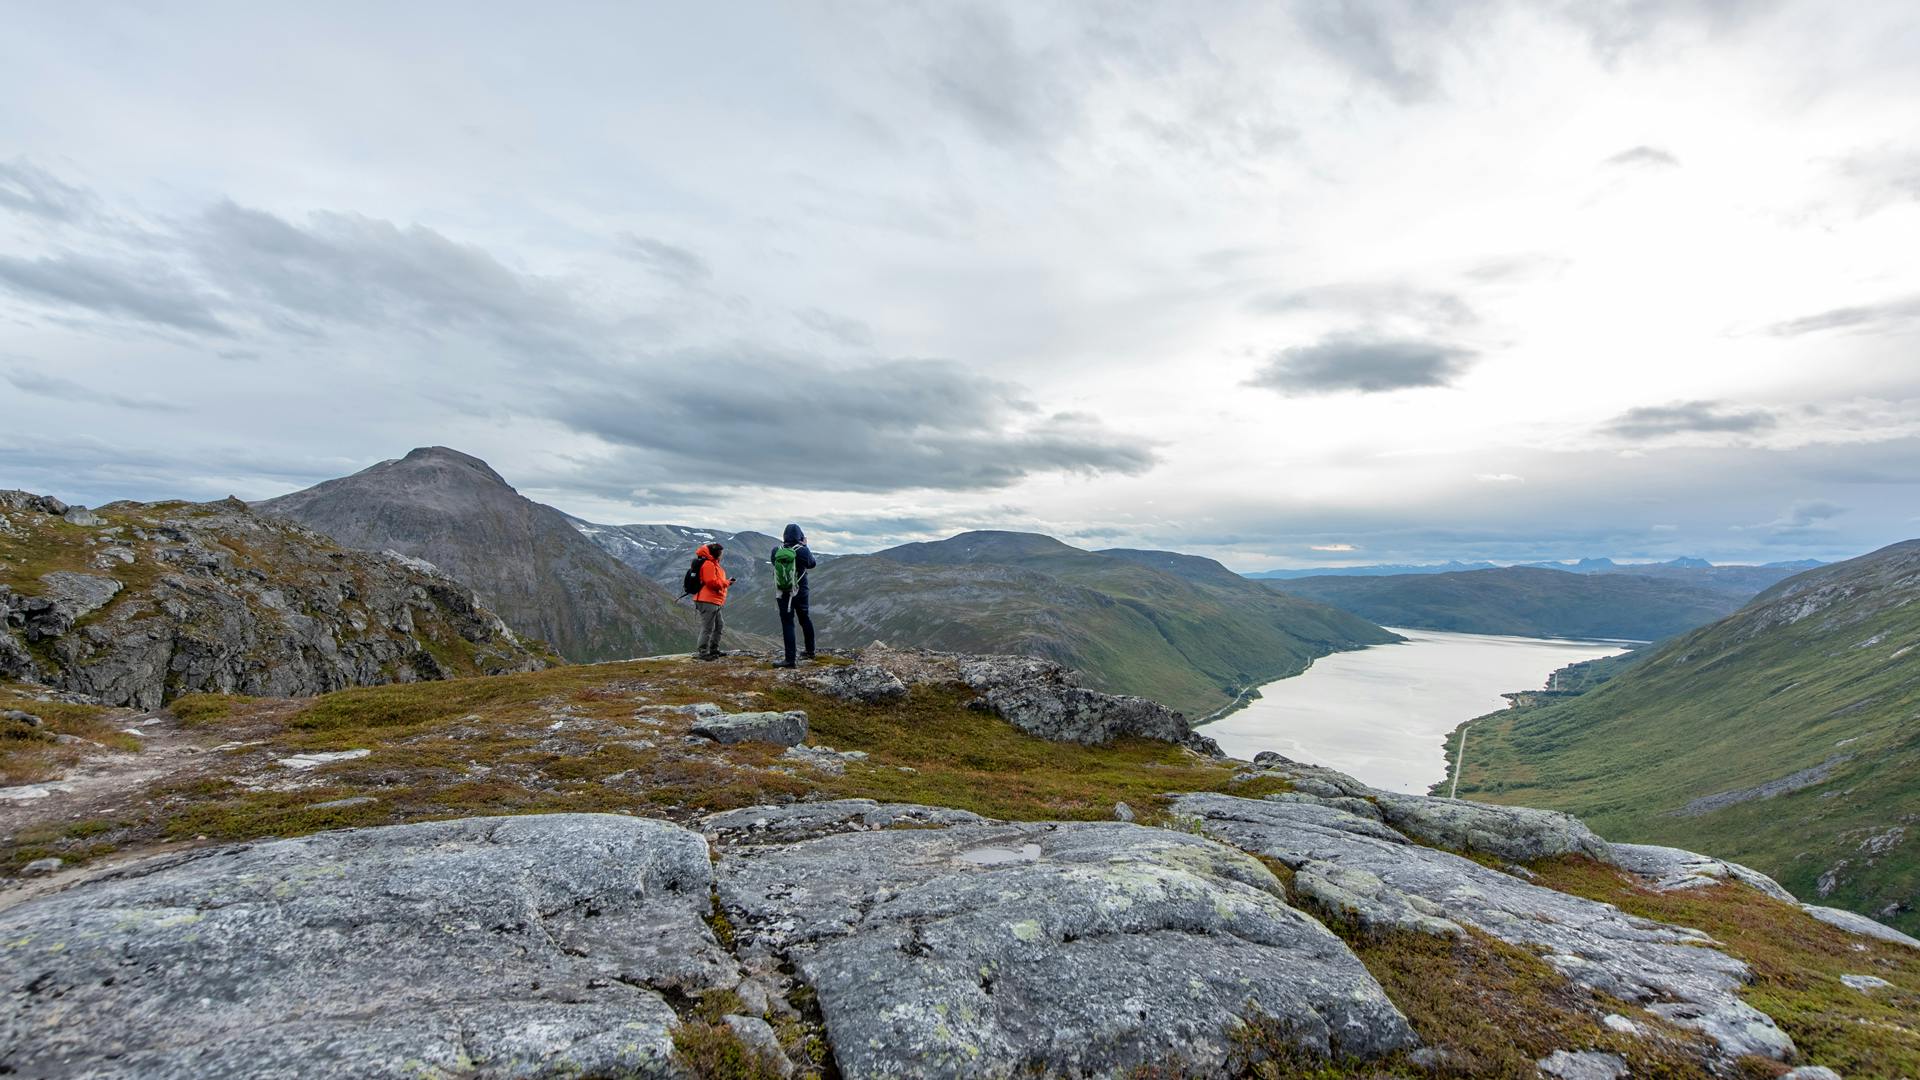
{"x": 1533, "y": 602}
{"x": 1178, "y": 628}
{"x": 1786, "y": 735}
{"x": 526, "y": 560}
{"x": 1600, "y": 565}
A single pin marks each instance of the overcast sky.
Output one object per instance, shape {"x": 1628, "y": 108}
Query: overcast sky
{"x": 1278, "y": 283}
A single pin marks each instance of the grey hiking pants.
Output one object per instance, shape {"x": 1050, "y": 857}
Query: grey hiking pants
{"x": 710, "y": 626}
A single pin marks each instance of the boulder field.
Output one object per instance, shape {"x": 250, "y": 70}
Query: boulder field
{"x": 917, "y": 941}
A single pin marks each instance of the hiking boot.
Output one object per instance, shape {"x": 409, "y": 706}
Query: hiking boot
{"x": 784, "y": 664}
{"x": 808, "y": 655}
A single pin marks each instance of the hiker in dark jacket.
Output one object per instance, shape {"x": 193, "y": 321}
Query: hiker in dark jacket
{"x": 792, "y": 559}
{"x": 711, "y": 598}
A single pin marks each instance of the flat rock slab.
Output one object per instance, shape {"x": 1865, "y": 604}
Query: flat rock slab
{"x": 806, "y": 821}
{"x": 782, "y": 728}
{"x": 1083, "y": 948}
{"x": 518, "y": 946}
{"x": 1855, "y": 923}
{"x": 1670, "y": 869}
{"x": 1390, "y": 882}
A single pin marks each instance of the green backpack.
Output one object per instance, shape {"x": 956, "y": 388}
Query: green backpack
{"x": 786, "y": 569}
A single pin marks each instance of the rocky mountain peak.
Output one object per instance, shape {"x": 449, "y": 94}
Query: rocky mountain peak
{"x": 451, "y": 458}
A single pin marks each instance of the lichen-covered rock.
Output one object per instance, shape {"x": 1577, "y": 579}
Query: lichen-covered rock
{"x": 1855, "y": 923}
{"x": 1314, "y": 780}
{"x": 1670, "y": 868}
{"x": 823, "y": 758}
{"x": 495, "y": 947}
{"x": 1583, "y": 1065}
{"x": 781, "y": 728}
{"x": 800, "y": 821}
{"x": 868, "y": 684}
{"x": 218, "y": 599}
{"x": 1673, "y": 970}
{"x": 1047, "y": 948}
{"x": 1518, "y": 833}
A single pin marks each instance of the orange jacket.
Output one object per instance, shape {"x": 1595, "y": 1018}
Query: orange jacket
{"x": 713, "y": 579}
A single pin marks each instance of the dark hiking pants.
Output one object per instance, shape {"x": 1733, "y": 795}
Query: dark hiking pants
{"x": 790, "y": 611}
{"x": 710, "y": 627}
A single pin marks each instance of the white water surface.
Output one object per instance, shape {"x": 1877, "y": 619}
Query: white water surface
{"x": 1381, "y": 714}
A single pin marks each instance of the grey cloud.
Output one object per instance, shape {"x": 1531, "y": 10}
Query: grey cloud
{"x": 349, "y": 269}
{"x": 1883, "y": 177}
{"x": 1370, "y": 39}
{"x": 1808, "y": 516}
{"x": 145, "y": 291}
{"x": 1614, "y": 26}
{"x": 1005, "y": 93}
{"x": 1686, "y": 417}
{"x": 1374, "y": 301}
{"x": 1361, "y": 364}
{"x": 29, "y": 189}
{"x": 50, "y": 386}
{"x": 746, "y": 421}
{"x": 669, "y": 261}
{"x": 1862, "y": 317}
{"x": 1517, "y": 267}
{"x": 1644, "y": 157}
{"x": 845, "y": 330}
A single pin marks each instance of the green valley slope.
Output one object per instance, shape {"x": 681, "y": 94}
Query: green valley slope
{"x": 1786, "y": 736}
{"x": 1527, "y": 601}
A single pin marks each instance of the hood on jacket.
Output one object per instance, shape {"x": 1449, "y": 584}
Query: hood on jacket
{"x": 705, "y": 551}
{"x": 793, "y": 535}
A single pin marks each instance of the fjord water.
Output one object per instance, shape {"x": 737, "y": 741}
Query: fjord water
{"x": 1381, "y": 713}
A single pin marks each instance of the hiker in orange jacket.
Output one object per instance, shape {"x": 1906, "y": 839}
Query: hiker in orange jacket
{"x": 711, "y": 598}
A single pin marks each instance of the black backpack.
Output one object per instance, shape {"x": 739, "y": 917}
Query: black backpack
{"x": 690, "y": 581}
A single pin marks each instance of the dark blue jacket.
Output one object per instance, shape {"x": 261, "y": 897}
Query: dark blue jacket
{"x": 803, "y": 558}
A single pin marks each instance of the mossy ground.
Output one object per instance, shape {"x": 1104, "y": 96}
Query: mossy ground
{"x": 30, "y": 753}
{"x": 581, "y": 739}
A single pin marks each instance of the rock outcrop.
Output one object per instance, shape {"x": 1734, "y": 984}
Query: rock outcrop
{"x": 170, "y": 598}
{"x": 1380, "y": 878}
{"x": 492, "y": 947}
{"x": 1039, "y": 697}
{"x": 1048, "y": 948}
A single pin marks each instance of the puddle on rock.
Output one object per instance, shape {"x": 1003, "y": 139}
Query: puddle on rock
{"x": 999, "y": 856}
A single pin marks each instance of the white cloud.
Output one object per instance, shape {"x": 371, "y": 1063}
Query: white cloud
{"x": 1399, "y": 214}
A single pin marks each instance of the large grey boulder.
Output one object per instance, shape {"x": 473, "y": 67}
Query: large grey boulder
{"x": 782, "y": 728}
{"x": 802, "y": 821}
{"x": 1670, "y": 869}
{"x": 1517, "y": 833}
{"x": 1855, "y": 923}
{"x": 1086, "y": 948}
{"x": 522, "y": 946}
{"x": 868, "y": 684}
{"x": 1674, "y": 971}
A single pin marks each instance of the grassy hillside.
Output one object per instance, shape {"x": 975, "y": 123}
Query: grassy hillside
{"x": 1179, "y": 629}
{"x": 1526, "y": 601}
{"x": 1786, "y": 736}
